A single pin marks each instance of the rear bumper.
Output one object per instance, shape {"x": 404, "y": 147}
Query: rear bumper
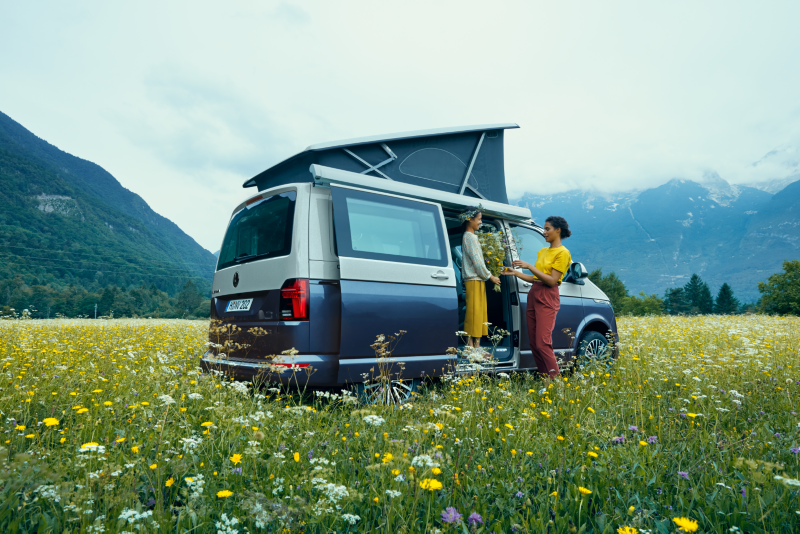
{"x": 328, "y": 370}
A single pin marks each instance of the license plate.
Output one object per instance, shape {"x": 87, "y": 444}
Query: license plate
{"x": 239, "y": 305}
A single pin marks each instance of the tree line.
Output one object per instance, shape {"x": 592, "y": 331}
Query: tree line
{"x": 43, "y": 301}
{"x": 780, "y": 294}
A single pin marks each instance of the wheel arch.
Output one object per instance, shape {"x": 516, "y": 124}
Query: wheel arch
{"x": 592, "y": 323}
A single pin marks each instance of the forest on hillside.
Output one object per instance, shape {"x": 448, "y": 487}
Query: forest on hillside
{"x": 43, "y": 301}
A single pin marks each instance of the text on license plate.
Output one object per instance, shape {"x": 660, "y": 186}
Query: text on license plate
{"x": 239, "y": 305}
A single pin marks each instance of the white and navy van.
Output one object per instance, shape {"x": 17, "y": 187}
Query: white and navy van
{"x": 349, "y": 240}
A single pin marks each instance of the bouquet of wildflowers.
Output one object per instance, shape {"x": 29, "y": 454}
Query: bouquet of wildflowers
{"x": 494, "y": 246}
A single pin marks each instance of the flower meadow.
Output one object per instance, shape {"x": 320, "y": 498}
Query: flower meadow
{"x": 109, "y": 426}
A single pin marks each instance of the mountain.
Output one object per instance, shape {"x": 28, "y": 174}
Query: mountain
{"x": 67, "y": 221}
{"x": 657, "y": 238}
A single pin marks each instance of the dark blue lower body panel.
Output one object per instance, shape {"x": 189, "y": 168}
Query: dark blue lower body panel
{"x": 428, "y": 314}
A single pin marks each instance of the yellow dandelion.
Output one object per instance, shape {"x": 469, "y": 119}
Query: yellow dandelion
{"x": 554, "y": 494}
{"x": 224, "y": 494}
{"x": 30, "y": 436}
{"x": 90, "y": 445}
{"x": 591, "y": 409}
{"x": 395, "y": 472}
{"x": 62, "y": 440}
{"x": 50, "y": 421}
{"x": 135, "y": 449}
{"x": 626, "y": 530}
{"x": 153, "y": 466}
{"x": 592, "y": 454}
{"x": 170, "y": 481}
{"x": 430, "y": 484}
{"x": 297, "y": 457}
{"x": 685, "y": 524}
{"x": 236, "y": 458}
{"x": 436, "y": 471}
{"x": 388, "y": 457}
{"x": 376, "y": 500}
{"x": 19, "y": 427}
{"x": 108, "y": 403}
{"x": 692, "y": 415}
{"x": 584, "y": 491}
{"x": 560, "y": 438}
{"x": 207, "y": 423}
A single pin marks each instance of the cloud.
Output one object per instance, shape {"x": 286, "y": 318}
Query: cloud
{"x": 196, "y": 123}
{"x": 292, "y": 13}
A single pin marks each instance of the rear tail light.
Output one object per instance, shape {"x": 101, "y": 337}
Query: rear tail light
{"x": 294, "y": 300}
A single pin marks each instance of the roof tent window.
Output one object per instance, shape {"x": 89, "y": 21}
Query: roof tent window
{"x": 379, "y": 227}
{"x": 261, "y": 230}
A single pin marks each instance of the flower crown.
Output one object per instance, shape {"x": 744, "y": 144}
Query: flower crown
{"x": 469, "y": 213}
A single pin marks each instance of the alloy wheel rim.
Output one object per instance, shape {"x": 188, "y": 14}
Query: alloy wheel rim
{"x": 390, "y": 393}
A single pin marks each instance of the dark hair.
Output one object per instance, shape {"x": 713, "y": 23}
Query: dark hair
{"x": 559, "y": 222}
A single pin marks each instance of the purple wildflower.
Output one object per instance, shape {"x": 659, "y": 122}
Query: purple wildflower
{"x": 744, "y": 492}
{"x": 618, "y": 439}
{"x": 451, "y": 516}
{"x": 520, "y": 495}
{"x": 652, "y": 439}
{"x": 684, "y": 474}
{"x": 794, "y": 450}
{"x": 475, "y": 518}
{"x": 633, "y": 428}
{"x": 311, "y": 454}
{"x": 236, "y": 470}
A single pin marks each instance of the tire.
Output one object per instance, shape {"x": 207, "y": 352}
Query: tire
{"x": 398, "y": 392}
{"x": 594, "y": 350}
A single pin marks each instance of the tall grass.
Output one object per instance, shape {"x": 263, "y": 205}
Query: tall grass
{"x": 697, "y": 420}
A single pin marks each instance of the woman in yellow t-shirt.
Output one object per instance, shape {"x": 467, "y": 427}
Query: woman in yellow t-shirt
{"x": 543, "y": 298}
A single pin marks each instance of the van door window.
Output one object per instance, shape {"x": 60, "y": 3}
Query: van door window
{"x": 380, "y": 227}
{"x": 260, "y": 230}
{"x": 529, "y": 242}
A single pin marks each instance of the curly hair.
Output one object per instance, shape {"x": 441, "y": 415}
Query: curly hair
{"x": 559, "y": 222}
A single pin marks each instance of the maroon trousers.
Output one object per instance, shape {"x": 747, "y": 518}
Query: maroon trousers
{"x": 543, "y": 305}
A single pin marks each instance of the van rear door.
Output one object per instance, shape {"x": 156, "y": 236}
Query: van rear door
{"x": 396, "y": 273}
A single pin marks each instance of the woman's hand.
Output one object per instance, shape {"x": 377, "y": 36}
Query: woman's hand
{"x": 520, "y": 263}
{"x": 495, "y": 279}
{"x": 508, "y": 271}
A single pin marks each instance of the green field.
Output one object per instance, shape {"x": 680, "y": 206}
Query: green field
{"x": 109, "y": 426}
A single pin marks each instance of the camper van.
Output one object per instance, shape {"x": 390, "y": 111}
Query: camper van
{"x": 350, "y": 240}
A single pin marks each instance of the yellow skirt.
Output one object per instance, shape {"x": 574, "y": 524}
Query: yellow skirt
{"x": 476, "y": 319}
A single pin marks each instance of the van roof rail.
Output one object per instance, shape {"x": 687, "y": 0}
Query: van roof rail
{"x": 464, "y": 160}
{"x": 327, "y": 176}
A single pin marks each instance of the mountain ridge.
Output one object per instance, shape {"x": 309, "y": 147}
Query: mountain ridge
{"x": 726, "y": 233}
{"x": 65, "y": 220}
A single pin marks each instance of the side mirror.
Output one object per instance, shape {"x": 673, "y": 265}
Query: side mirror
{"x": 576, "y": 274}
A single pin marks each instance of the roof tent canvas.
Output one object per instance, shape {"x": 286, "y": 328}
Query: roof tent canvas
{"x": 464, "y": 160}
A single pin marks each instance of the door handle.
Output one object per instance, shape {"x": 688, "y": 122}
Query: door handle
{"x": 440, "y": 275}
{"x": 526, "y": 284}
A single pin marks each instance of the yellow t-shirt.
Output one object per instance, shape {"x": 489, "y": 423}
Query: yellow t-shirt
{"x": 557, "y": 258}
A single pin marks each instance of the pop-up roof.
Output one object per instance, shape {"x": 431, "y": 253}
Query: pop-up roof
{"x": 465, "y": 160}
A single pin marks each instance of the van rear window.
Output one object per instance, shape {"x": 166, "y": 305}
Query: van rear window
{"x": 261, "y": 230}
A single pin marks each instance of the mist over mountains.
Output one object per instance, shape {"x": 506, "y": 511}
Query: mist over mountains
{"x": 656, "y": 238}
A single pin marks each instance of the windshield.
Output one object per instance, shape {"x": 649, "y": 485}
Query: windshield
{"x": 261, "y": 230}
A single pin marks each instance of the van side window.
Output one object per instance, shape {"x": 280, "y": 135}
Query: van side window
{"x": 529, "y": 243}
{"x": 379, "y": 227}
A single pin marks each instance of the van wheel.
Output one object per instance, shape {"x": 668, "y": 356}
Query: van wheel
{"x": 392, "y": 392}
{"x": 594, "y": 350}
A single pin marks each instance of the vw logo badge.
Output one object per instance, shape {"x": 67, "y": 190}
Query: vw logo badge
{"x": 235, "y": 279}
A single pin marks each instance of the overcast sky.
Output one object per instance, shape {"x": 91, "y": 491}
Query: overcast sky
{"x": 184, "y": 101}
